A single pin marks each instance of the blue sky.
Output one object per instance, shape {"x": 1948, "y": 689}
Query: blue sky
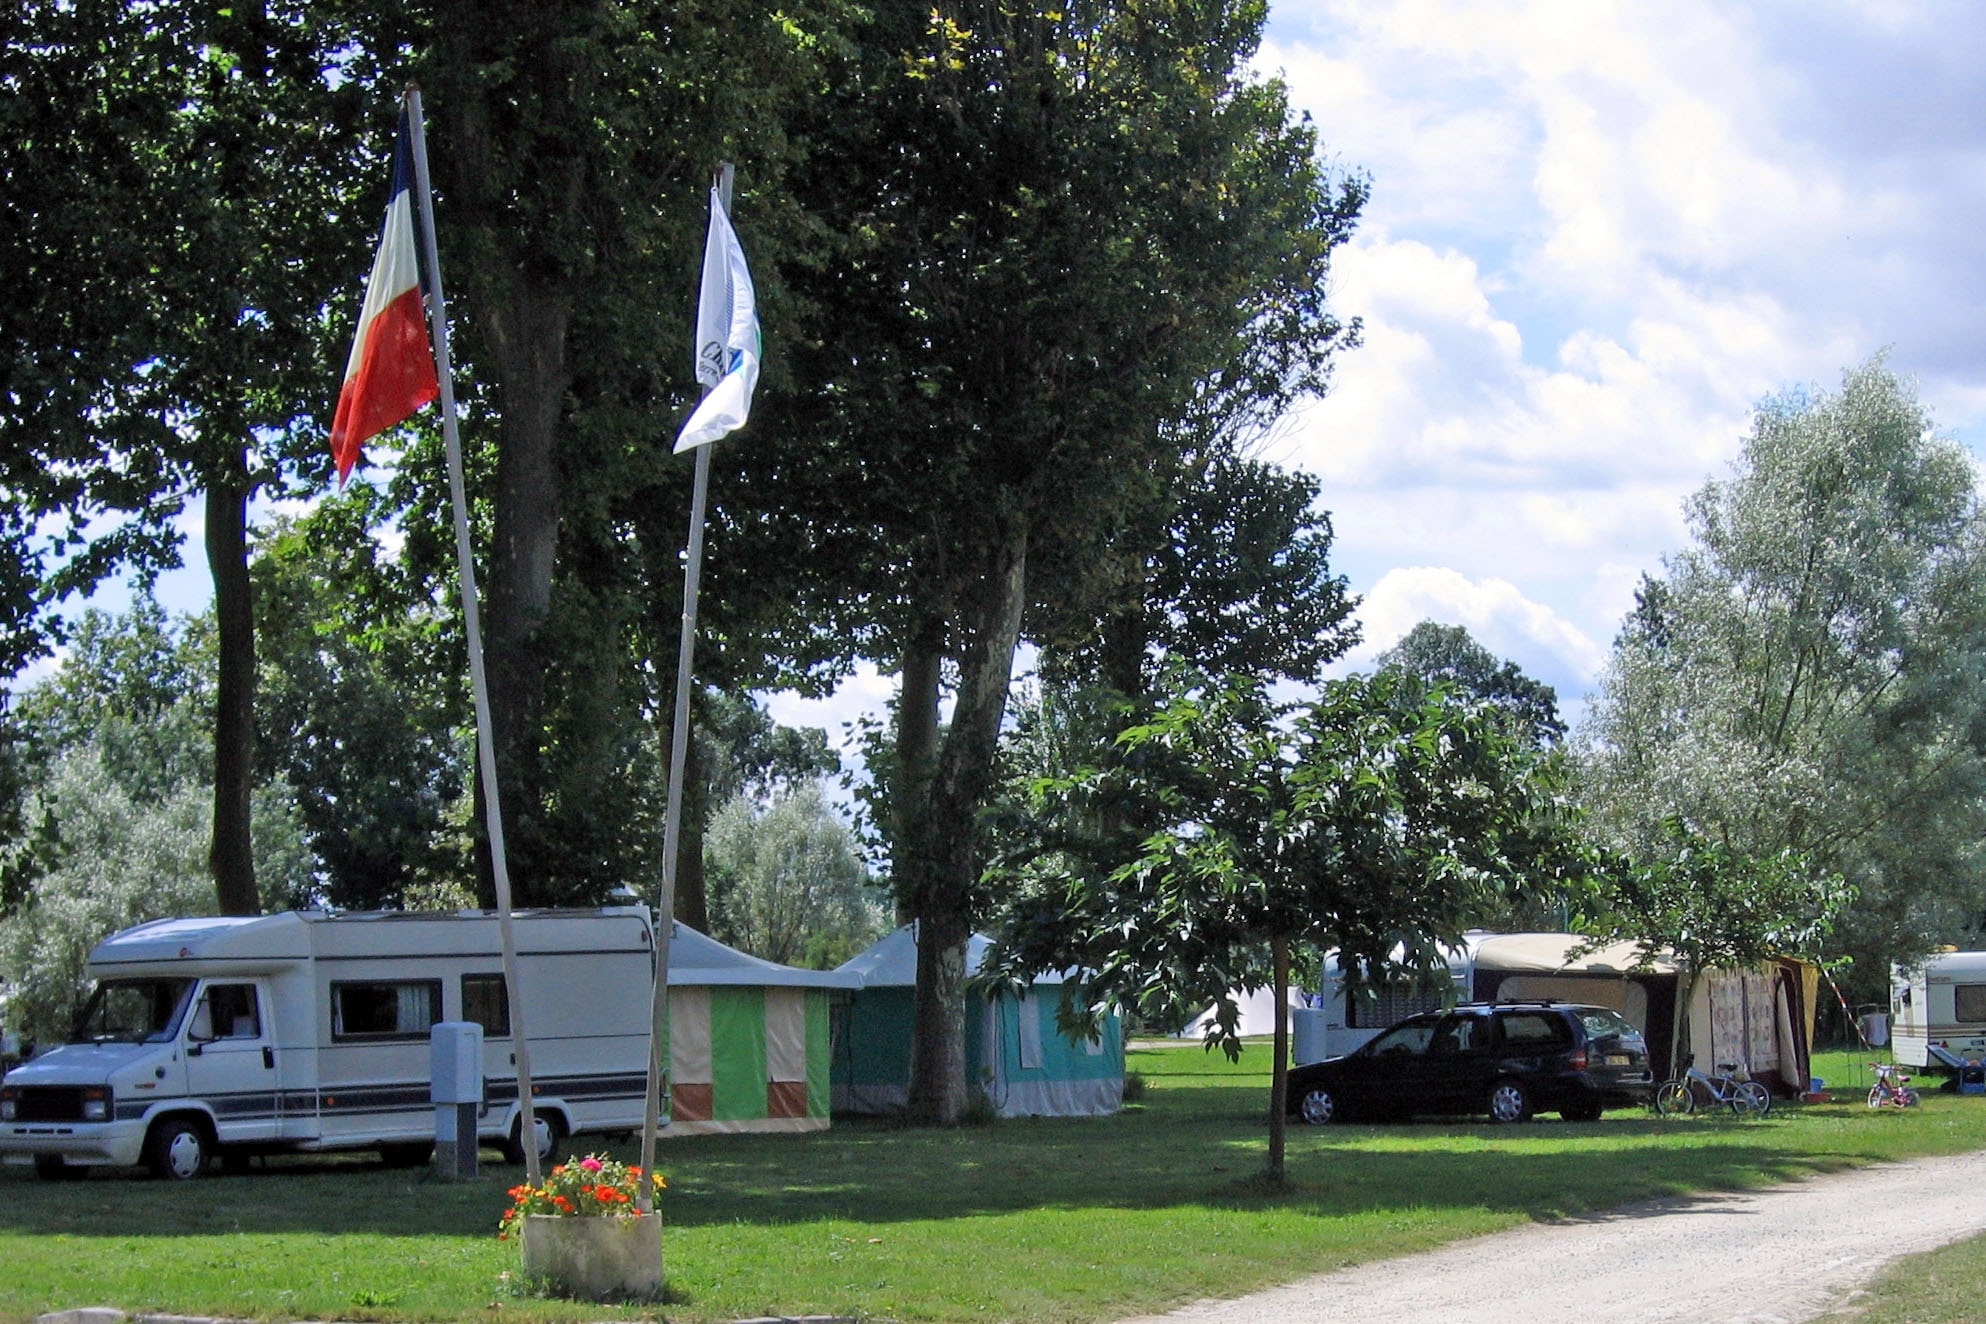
{"x": 1598, "y": 235}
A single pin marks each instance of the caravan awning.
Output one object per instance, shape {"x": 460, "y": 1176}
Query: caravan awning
{"x": 1554, "y": 953}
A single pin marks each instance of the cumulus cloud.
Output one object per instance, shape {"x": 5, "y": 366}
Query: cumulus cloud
{"x": 1494, "y": 611}
{"x": 1599, "y": 234}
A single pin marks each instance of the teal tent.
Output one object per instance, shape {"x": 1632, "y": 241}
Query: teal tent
{"x": 1016, "y": 1055}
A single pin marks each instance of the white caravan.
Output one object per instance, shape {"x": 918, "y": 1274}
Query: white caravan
{"x": 310, "y": 1031}
{"x": 1938, "y": 1011}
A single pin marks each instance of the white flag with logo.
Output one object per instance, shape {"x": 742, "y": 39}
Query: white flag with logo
{"x": 727, "y": 336}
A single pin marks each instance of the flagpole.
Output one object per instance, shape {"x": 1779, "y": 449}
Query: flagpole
{"x": 527, "y": 1125}
{"x": 679, "y": 747}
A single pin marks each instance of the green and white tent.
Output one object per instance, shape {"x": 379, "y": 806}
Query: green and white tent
{"x": 1016, "y": 1055}
{"x": 748, "y": 1040}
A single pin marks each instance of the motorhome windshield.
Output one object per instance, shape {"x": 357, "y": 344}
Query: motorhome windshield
{"x": 132, "y": 1011}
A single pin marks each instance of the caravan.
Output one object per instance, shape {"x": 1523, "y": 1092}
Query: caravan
{"x": 1939, "y": 1011}
{"x": 310, "y": 1031}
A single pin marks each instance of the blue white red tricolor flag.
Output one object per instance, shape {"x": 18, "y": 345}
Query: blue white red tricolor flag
{"x": 391, "y": 372}
{"x": 727, "y": 336}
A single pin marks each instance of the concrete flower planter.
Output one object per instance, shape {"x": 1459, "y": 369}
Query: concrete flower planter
{"x": 613, "y": 1258}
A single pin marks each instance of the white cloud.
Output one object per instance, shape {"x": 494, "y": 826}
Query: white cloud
{"x": 1494, "y": 611}
{"x": 1599, "y": 234}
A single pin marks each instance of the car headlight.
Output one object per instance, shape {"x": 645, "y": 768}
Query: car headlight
{"x": 96, "y": 1105}
{"x": 7, "y": 1106}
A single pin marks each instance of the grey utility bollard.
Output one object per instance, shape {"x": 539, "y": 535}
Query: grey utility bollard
{"x": 456, "y": 1086}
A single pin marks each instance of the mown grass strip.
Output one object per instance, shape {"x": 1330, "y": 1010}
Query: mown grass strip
{"x": 1066, "y": 1220}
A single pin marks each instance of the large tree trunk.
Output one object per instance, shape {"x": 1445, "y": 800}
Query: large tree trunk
{"x": 523, "y": 307}
{"x": 916, "y": 760}
{"x": 230, "y": 854}
{"x": 946, "y": 869}
{"x": 692, "y": 897}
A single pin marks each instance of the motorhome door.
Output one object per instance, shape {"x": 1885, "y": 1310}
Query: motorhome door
{"x": 231, "y": 1060}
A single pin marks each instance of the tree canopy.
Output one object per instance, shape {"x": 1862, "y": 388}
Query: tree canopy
{"x": 1380, "y": 814}
{"x": 1077, "y": 244}
{"x": 1804, "y": 677}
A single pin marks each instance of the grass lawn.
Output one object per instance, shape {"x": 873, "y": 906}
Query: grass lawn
{"x": 1076, "y": 1220}
{"x": 1941, "y": 1287}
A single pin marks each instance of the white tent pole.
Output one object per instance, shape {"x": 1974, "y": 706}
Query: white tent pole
{"x": 527, "y": 1127}
{"x": 679, "y": 745}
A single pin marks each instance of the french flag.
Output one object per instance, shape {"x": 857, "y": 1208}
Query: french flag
{"x": 391, "y": 372}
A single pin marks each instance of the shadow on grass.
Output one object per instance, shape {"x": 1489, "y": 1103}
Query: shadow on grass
{"x": 875, "y": 1174}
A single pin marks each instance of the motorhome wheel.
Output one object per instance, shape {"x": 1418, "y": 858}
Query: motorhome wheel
{"x": 178, "y": 1151}
{"x": 550, "y": 1131}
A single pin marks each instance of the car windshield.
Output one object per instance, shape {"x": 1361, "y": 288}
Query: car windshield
{"x": 132, "y": 1011}
{"x": 1603, "y": 1024}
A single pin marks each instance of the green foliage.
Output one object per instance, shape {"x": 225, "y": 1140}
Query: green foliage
{"x": 1438, "y": 653}
{"x": 1717, "y": 907}
{"x": 1379, "y": 814}
{"x": 787, "y": 882}
{"x": 364, "y": 704}
{"x": 119, "y": 858}
{"x": 572, "y": 151}
{"x": 120, "y": 807}
{"x": 1805, "y": 677}
{"x": 1076, "y": 247}
{"x": 747, "y": 753}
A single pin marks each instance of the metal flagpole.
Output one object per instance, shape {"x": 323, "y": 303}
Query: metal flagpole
{"x": 527, "y": 1126}
{"x": 679, "y": 748}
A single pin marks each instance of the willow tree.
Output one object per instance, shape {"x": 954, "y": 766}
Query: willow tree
{"x": 1804, "y": 677}
{"x": 1076, "y": 242}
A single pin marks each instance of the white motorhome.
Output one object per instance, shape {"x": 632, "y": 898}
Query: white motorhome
{"x": 310, "y": 1030}
{"x": 1938, "y": 1011}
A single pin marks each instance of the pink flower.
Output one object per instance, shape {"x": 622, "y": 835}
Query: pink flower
{"x": 590, "y": 1164}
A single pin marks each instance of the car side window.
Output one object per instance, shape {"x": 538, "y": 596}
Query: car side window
{"x": 1457, "y": 1034}
{"x": 1409, "y": 1040}
{"x": 1533, "y": 1029}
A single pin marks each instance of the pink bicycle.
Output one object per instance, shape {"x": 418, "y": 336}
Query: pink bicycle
{"x": 1892, "y": 1088}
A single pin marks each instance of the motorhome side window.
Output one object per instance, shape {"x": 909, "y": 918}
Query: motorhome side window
{"x": 397, "y": 1009}
{"x": 1969, "y": 1002}
{"x": 484, "y": 1003}
{"x": 230, "y": 1012}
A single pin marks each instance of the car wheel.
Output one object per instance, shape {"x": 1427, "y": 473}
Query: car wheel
{"x": 178, "y": 1150}
{"x": 1320, "y": 1106}
{"x": 550, "y": 1129}
{"x": 1509, "y": 1102}
{"x": 53, "y": 1167}
{"x": 1585, "y": 1112}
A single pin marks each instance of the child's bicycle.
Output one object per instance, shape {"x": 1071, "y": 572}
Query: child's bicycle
{"x": 1892, "y": 1088}
{"x": 1746, "y": 1098}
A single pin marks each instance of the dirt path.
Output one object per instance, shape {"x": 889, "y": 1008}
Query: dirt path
{"x": 1774, "y": 1256}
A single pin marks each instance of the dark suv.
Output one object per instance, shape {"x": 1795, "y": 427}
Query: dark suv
{"x": 1508, "y": 1059}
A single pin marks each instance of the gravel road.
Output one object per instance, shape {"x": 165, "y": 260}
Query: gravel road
{"x": 1775, "y": 1256}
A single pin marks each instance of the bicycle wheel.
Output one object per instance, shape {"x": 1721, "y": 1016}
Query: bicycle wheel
{"x": 1911, "y": 1098}
{"x": 1876, "y": 1096}
{"x": 1674, "y": 1098}
{"x": 1753, "y": 1098}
